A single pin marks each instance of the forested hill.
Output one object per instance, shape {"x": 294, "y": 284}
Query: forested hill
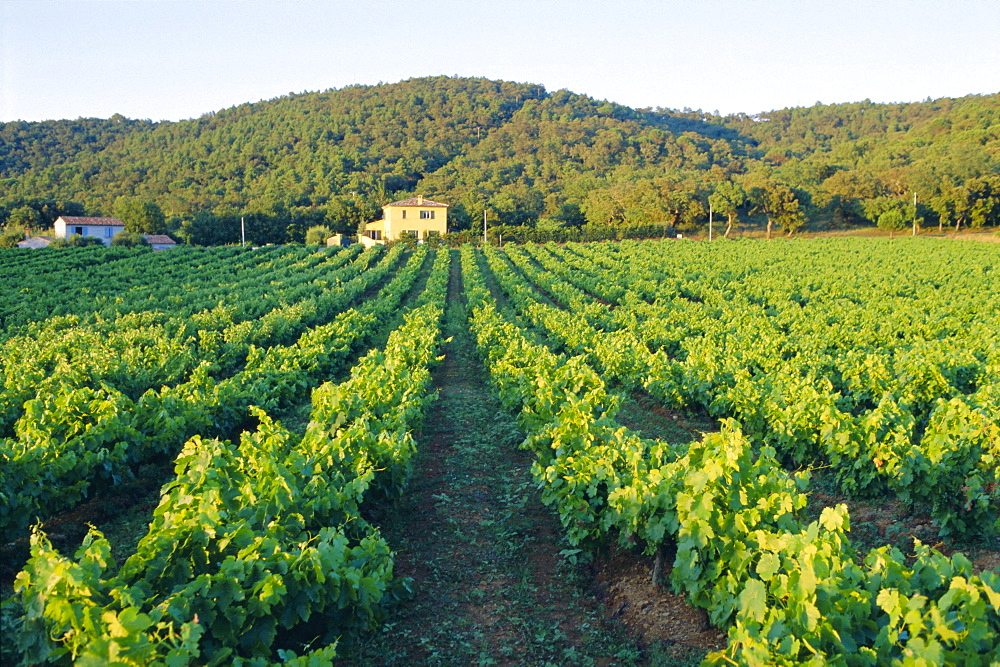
{"x": 530, "y": 156}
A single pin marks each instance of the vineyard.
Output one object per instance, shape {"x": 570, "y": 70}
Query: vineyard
{"x": 285, "y": 391}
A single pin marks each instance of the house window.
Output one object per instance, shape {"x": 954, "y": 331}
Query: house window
{"x": 78, "y": 230}
{"x": 109, "y": 232}
{"x": 427, "y": 215}
{"x": 404, "y": 214}
{"x": 375, "y": 235}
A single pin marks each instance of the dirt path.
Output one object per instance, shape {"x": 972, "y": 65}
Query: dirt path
{"x": 489, "y": 583}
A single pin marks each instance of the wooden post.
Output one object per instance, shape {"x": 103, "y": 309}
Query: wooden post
{"x": 710, "y": 220}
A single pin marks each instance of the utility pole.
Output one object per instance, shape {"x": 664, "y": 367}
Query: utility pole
{"x": 243, "y": 233}
{"x": 914, "y": 212}
{"x": 709, "y": 219}
{"x": 484, "y": 227}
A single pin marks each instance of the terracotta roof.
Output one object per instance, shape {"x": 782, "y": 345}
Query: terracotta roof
{"x": 90, "y": 222}
{"x": 160, "y": 239}
{"x": 417, "y": 201}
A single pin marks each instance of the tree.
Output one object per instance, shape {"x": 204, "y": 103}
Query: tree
{"x": 517, "y": 205}
{"x": 790, "y": 217}
{"x": 892, "y": 221}
{"x": 566, "y": 215}
{"x": 845, "y": 190}
{"x": 952, "y": 204}
{"x": 141, "y": 216}
{"x": 11, "y": 236}
{"x": 985, "y": 193}
{"x": 208, "y": 228}
{"x": 604, "y": 207}
{"x": 346, "y": 214}
{"x": 25, "y": 217}
{"x": 939, "y": 204}
{"x": 727, "y": 199}
{"x": 775, "y": 200}
{"x": 874, "y": 208}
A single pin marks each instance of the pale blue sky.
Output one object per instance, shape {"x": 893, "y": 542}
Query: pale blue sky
{"x": 175, "y": 59}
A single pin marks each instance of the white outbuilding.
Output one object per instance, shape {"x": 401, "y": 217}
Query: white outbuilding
{"x": 160, "y": 241}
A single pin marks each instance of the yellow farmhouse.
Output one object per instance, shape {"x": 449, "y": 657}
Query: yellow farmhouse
{"x": 422, "y": 217}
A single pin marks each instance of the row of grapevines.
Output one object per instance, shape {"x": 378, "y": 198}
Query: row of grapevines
{"x": 251, "y": 541}
{"x": 560, "y": 262}
{"x": 922, "y": 439}
{"x": 130, "y": 281}
{"x": 189, "y": 281}
{"x": 619, "y": 354}
{"x": 791, "y": 592}
{"x": 827, "y": 300}
{"x": 74, "y": 404}
{"x": 135, "y": 353}
{"x": 69, "y": 441}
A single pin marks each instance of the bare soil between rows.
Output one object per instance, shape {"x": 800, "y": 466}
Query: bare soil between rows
{"x": 490, "y": 584}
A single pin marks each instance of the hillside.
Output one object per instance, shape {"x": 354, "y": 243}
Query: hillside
{"x": 530, "y": 156}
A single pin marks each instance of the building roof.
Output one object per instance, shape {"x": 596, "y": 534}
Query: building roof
{"x": 91, "y": 222}
{"x": 417, "y": 201}
{"x": 159, "y": 239}
{"x": 35, "y": 242}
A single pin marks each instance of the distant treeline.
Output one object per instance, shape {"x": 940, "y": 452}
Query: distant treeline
{"x": 530, "y": 158}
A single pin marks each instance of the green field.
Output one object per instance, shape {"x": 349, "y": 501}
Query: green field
{"x": 787, "y": 450}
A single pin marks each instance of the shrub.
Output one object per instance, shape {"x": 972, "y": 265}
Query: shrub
{"x": 76, "y": 241}
{"x": 317, "y": 235}
{"x": 129, "y": 240}
{"x": 11, "y": 236}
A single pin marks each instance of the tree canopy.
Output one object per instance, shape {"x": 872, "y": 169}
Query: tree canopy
{"x": 141, "y": 216}
{"x": 333, "y": 158}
